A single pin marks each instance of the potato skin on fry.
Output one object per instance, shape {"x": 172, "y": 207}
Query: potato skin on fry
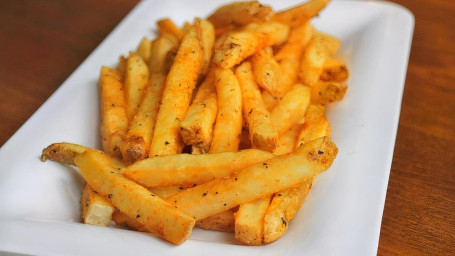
{"x": 240, "y": 13}
{"x": 132, "y": 199}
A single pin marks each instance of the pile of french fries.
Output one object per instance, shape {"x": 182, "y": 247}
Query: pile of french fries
{"x": 217, "y": 124}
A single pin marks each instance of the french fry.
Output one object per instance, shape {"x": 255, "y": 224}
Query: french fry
{"x": 132, "y": 199}
{"x": 287, "y": 141}
{"x": 122, "y": 65}
{"x": 316, "y": 125}
{"x": 266, "y": 69}
{"x": 334, "y": 71}
{"x": 207, "y": 41}
{"x": 136, "y": 80}
{"x": 256, "y": 181}
{"x": 63, "y": 153}
{"x": 240, "y": 44}
{"x": 167, "y": 26}
{"x": 282, "y": 210}
{"x": 328, "y": 92}
{"x": 187, "y": 169}
{"x": 263, "y": 134}
{"x": 113, "y": 116}
{"x": 291, "y": 109}
{"x": 145, "y": 49}
{"x": 331, "y": 43}
{"x": 197, "y": 127}
{"x": 136, "y": 145}
{"x": 162, "y": 54}
{"x": 240, "y": 13}
{"x": 249, "y": 225}
{"x": 96, "y": 210}
{"x": 166, "y": 191}
{"x": 297, "y": 15}
{"x": 312, "y": 62}
{"x": 223, "y": 221}
{"x": 177, "y": 94}
{"x": 289, "y": 56}
{"x": 228, "y": 125}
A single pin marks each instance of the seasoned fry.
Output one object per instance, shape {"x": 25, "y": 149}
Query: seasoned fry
{"x": 282, "y": 210}
{"x": 291, "y": 109}
{"x": 177, "y": 94}
{"x": 166, "y": 191}
{"x": 289, "y": 57}
{"x": 228, "y": 125}
{"x": 240, "y": 13}
{"x": 223, "y": 221}
{"x": 249, "y": 225}
{"x": 136, "y": 80}
{"x": 95, "y": 209}
{"x": 186, "y": 169}
{"x": 122, "y": 65}
{"x": 162, "y": 54}
{"x": 197, "y": 127}
{"x": 328, "y": 92}
{"x": 167, "y": 26}
{"x": 63, "y": 153}
{"x": 139, "y": 137}
{"x": 240, "y": 44}
{"x": 263, "y": 134}
{"x": 207, "y": 41}
{"x": 297, "y": 15}
{"x": 312, "y": 62}
{"x": 266, "y": 69}
{"x": 122, "y": 219}
{"x": 256, "y": 181}
{"x": 145, "y": 49}
{"x": 113, "y": 117}
{"x": 270, "y": 101}
{"x": 316, "y": 125}
{"x": 132, "y": 199}
{"x": 334, "y": 70}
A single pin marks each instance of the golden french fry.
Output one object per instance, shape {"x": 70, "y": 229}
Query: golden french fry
{"x": 63, "y": 153}
{"x": 291, "y": 109}
{"x": 256, "y": 181}
{"x": 136, "y": 145}
{"x": 228, "y": 125}
{"x": 313, "y": 59}
{"x": 282, "y": 210}
{"x": 289, "y": 56}
{"x": 316, "y": 125}
{"x": 287, "y": 141}
{"x": 162, "y": 54}
{"x": 223, "y": 221}
{"x": 249, "y": 221}
{"x": 136, "y": 80}
{"x": 187, "y": 169}
{"x": 328, "y": 92}
{"x": 263, "y": 134}
{"x": 240, "y": 44}
{"x": 297, "y": 15}
{"x": 169, "y": 27}
{"x": 207, "y": 41}
{"x": 145, "y": 49}
{"x": 132, "y": 199}
{"x": 113, "y": 117}
{"x": 240, "y": 13}
{"x": 266, "y": 69}
{"x": 96, "y": 210}
{"x": 177, "y": 94}
{"x": 197, "y": 127}
{"x": 334, "y": 71}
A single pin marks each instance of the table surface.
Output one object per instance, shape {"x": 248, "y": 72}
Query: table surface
{"x": 43, "y": 42}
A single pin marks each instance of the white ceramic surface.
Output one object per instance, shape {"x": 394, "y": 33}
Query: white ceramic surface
{"x": 342, "y": 214}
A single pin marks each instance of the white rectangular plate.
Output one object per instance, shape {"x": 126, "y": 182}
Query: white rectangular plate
{"x": 342, "y": 214}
